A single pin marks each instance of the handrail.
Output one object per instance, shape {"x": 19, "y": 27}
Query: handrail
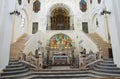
{"x": 30, "y": 46}
{"x": 29, "y": 63}
{"x": 32, "y": 60}
{"x": 88, "y": 59}
{"x": 33, "y": 37}
{"x": 92, "y": 63}
{"x": 29, "y": 60}
{"x": 88, "y": 43}
{"x": 24, "y": 59}
{"x": 32, "y": 43}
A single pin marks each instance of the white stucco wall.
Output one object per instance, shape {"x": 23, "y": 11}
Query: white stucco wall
{"x": 115, "y": 30}
{"x": 5, "y": 31}
{"x": 74, "y": 11}
{"x": 113, "y": 21}
{"x": 25, "y": 11}
{"x": 95, "y": 14}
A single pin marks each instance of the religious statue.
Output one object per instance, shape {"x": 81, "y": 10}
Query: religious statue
{"x": 83, "y": 5}
{"x": 19, "y": 2}
{"x": 90, "y": 1}
{"x": 99, "y": 1}
{"x": 36, "y": 6}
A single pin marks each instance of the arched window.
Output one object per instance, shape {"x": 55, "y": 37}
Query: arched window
{"x": 36, "y": 6}
{"x": 83, "y": 5}
{"x": 22, "y": 21}
{"x": 97, "y": 22}
{"x": 99, "y": 1}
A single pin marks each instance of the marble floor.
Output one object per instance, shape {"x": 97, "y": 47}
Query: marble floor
{"x": 61, "y": 67}
{"x": 103, "y": 78}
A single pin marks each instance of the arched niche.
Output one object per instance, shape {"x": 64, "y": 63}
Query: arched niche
{"x": 94, "y": 22}
{"x": 60, "y": 18}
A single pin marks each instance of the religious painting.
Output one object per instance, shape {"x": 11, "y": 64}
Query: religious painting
{"x": 19, "y": 2}
{"x": 83, "y": 5}
{"x": 99, "y": 1}
{"x": 36, "y": 6}
{"x": 60, "y": 41}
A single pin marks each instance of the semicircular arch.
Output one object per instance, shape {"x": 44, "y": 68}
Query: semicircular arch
{"x": 59, "y": 17}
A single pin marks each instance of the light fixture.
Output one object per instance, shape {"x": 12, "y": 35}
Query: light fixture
{"x": 15, "y": 12}
{"x": 105, "y": 12}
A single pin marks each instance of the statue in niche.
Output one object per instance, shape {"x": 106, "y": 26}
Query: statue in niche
{"x": 83, "y": 5}
{"x": 36, "y": 6}
{"x": 19, "y": 2}
{"x": 99, "y": 1}
{"x": 28, "y": 1}
{"x": 90, "y": 1}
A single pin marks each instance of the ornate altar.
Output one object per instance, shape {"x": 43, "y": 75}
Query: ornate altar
{"x": 60, "y": 49}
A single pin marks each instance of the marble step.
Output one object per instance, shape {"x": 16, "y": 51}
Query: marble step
{"x": 107, "y": 71}
{"x": 108, "y": 60}
{"x": 10, "y": 63}
{"x": 107, "y": 67}
{"x": 91, "y": 72}
{"x": 104, "y": 74}
{"x": 14, "y": 65}
{"x": 13, "y": 60}
{"x": 16, "y": 76}
{"x": 61, "y": 76}
{"x": 107, "y": 64}
{"x": 64, "y": 76}
{"x": 59, "y": 72}
{"x": 14, "y": 69}
{"x": 15, "y": 72}
{"x": 45, "y": 75}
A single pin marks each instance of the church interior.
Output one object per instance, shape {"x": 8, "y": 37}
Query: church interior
{"x": 59, "y": 39}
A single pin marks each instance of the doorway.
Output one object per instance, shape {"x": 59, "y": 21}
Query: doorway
{"x": 110, "y": 53}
